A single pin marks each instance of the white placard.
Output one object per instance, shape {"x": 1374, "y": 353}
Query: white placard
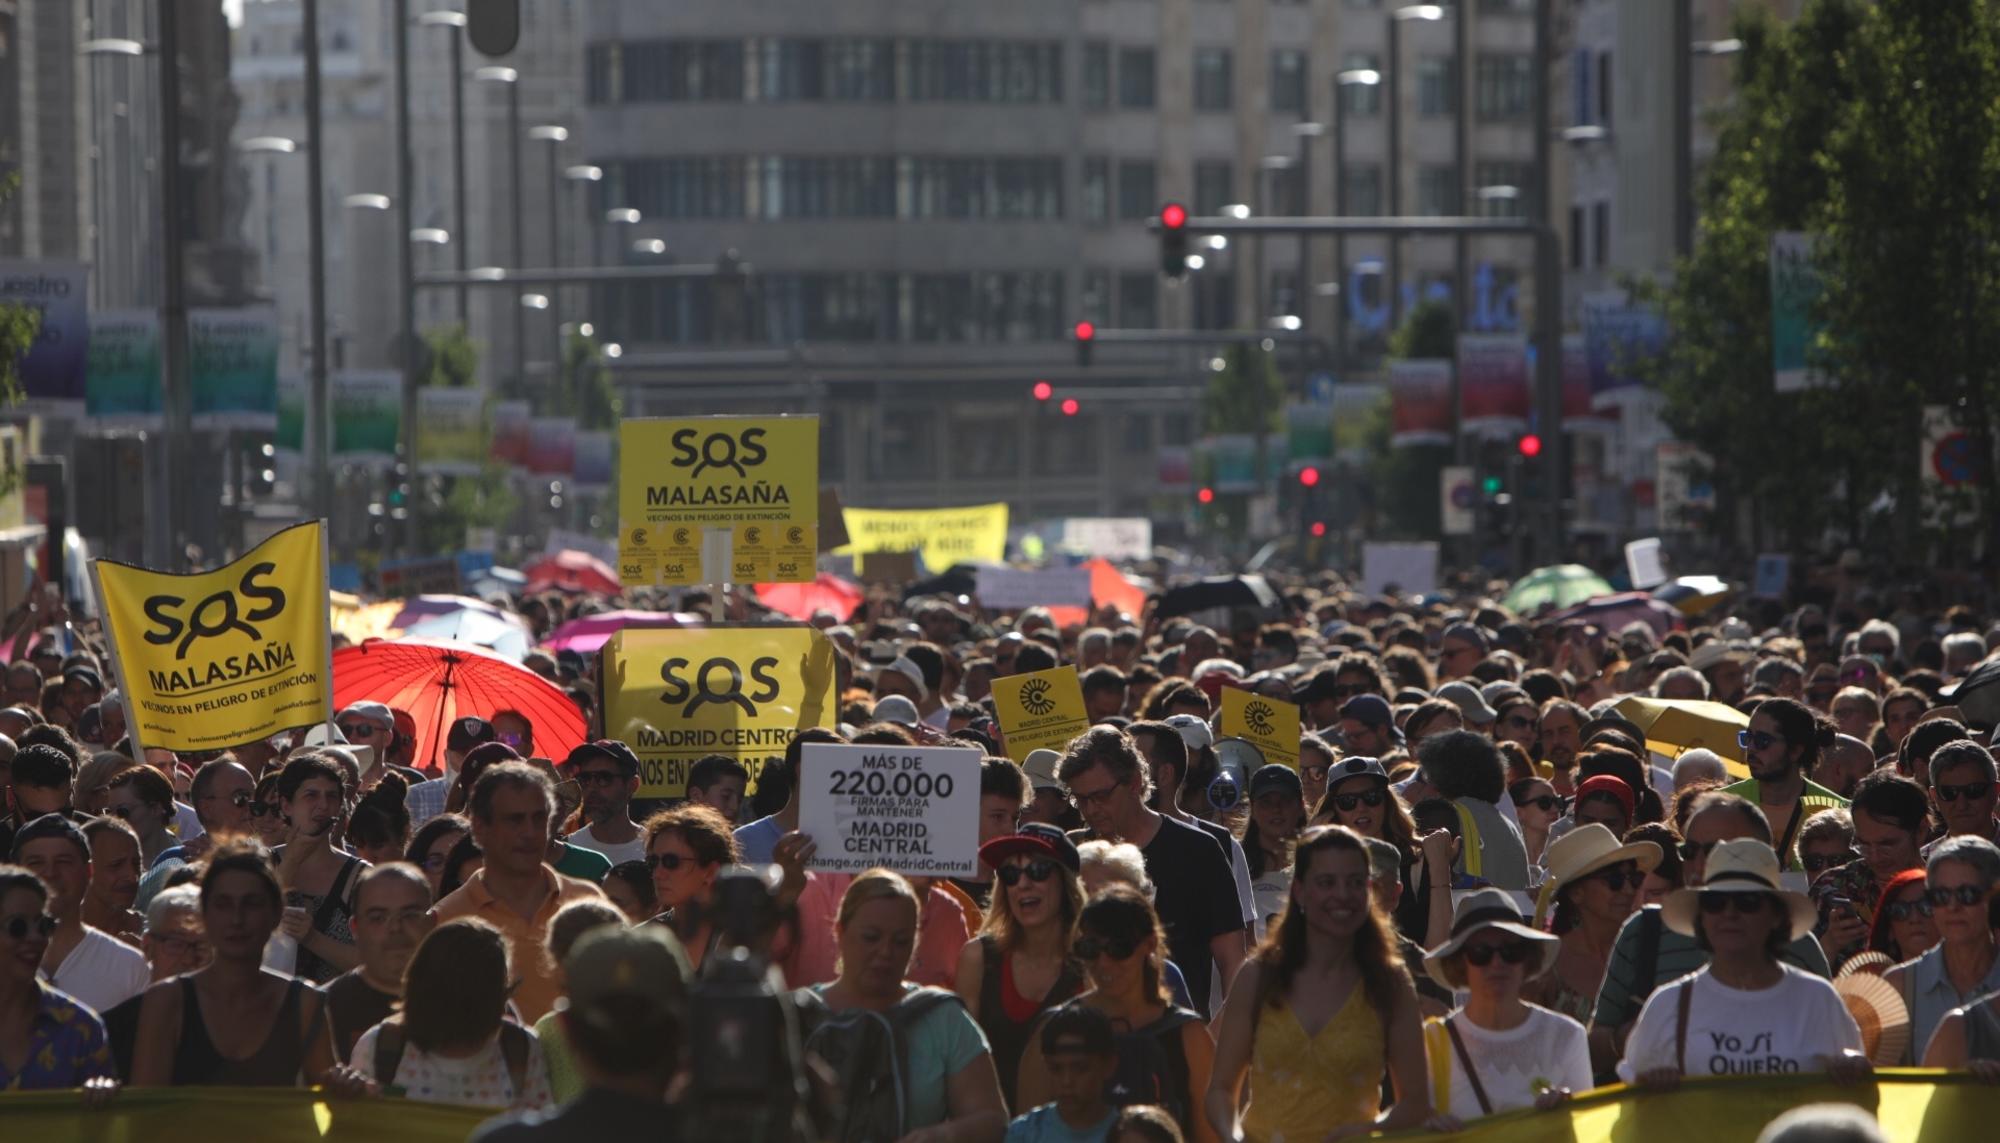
{"x": 1010, "y": 589}
{"x": 911, "y": 809}
{"x": 1458, "y": 499}
{"x": 1410, "y": 568}
{"x": 1644, "y": 564}
{"x": 1112, "y": 537}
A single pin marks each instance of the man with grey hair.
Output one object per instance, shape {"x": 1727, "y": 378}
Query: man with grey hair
{"x": 1962, "y": 651}
{"x": 1880, "y": 641}
{"x": 175, "y": 944}
{"x": 1964, "y": 792}
{"x": 1959, "y": 877}
{"x": 1844, "y": 764}
{"x": 1785, "y": 678}
{"x": 1680, "y": 683}
{"x": 1093, "y": 647}
{"x": 1697, "y": 765}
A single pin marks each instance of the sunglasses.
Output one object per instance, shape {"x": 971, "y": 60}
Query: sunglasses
{"x": 597, "y": 778}
{"x": 1618, "y": 879}
{"x": 1037, "y": 871}
{"x": 1351, "y": 691}
{"x": 1746, "y": 904}
{"x": 42, "y": 924}
{"x": 667, "y": 861}
{"x": 358, "y": 730}
{"x": 1904, "y": 910}
{"x": 1757, "y": 739}
{"x": 1820, "y": 862}
{"x": 1546, "y": 803}
{"x": 262, "y": 809}
{"x": 1966, "y": 895}
{"x": 1513, "y": 952}
{"x": 1345, "y": 803}
{"x": 1089, "y": 948}
{"x": 1971, "y": 791}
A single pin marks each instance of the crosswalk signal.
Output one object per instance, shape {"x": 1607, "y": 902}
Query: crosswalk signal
{"x": 1174, "y": 241}
{"x": 1086, "y": 336}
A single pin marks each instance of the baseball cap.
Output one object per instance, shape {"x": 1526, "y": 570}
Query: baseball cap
{"x": 321, "y": 735}
{"x": 1035, "y": 838}
{"x": 1040, "y": 767}
{"x": 1347, "y": 768}
{"x": 467, "y": 733}
{"x": 619, "y": 976}
{"x": 1368, "y": 710}
{"x": 47, "y": 826}
{"x": 1468, "y": 701}
{"x": 1193, "y": 730}
{"x": 619, "y": 753}
{"x": 1469, "y": 633}
{"x": 896, "y": 709}
{"x": 84, "y": 675}
{"x": 372, "y": 711}
{"x": 1080, "y": 1029}
{"x": 1276, "y": 778}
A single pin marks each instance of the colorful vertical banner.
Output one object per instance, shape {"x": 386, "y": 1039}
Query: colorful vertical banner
{"x": 592, "y": 469}
{"x": 1622, "y": 338}
{"x": 1576, "y": 378}
{"x": 233, "y": 367}
{"x": 1795, "y": 289}
{"x": 367, "y": 415}
{"x": 1421, "y": 392}
{"x": 551, "y": 446}
{"x": 510, "y": 432}
{"x": 54, "y": 369}
{"x": 451, "y": 431}
{"x": 1173, "y": 467}
{"x": 291, "y": 433}
{"x": 1358, "y": 407}
{"x": 1232, "y": 462}
{"x": 1308, "y": 433}
{"x": 122, "y": 386}
{"x": 1494, "y": 396}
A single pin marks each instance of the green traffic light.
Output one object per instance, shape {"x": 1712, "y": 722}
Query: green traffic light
{"x": 1491, "y": 484}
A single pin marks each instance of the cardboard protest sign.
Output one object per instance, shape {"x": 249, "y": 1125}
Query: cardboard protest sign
{"x": 679, "y": 476}
{"x": 1272, "y": 725}
{"x": 1040, "y": 710}
{"x": 911, "y": 809}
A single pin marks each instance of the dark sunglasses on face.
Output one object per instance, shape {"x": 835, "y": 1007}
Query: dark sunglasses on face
{"x": 358, "y": 730}
{"x": 1617, "y": 879}
{"x": 1966, "y": 895}
{"x": 1904, "y": 910}
{"x": 1970, "y": 791}
{"x": 667, "y": 861}
{"x": 1756, "y": 739}
{"x": 262, "y": 809}
{"x": 1820, "y": 862}
{"x": 1351, "y": 691}
{"x": 1345, "y": 803}
{"x": 1089, "y": 948}
{"x": 600, "y": 778}
{"x": 1513, "y": 952}
{"x": 42, "y": 924}
{"x": 1010, "y": 875}
{"x": 1748, "y": 904}
{"x": 1546, "y": 803}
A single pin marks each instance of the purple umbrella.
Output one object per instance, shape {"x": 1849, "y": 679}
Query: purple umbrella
{"x": 430, "y": 606}
{"x": 587, "y": 634}
{"x": 1612, "y": 612}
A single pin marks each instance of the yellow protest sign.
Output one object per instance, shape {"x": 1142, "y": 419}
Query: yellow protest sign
{"x": 945, "y": 536}
{"x": 680, "y": 476}
{"x": 1271, "y": 725}
{"x": 675, "y": 695}
{"x": 220, "y": 658}
{"x": 1041, "y": 710}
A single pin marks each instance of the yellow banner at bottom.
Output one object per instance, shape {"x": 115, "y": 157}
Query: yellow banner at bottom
{"x": 268, "y": 1115}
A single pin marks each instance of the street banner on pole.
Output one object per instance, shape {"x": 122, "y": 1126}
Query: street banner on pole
{"x": 1421, "y": 392}
{"x": 907, "y": 809}
{"x": 367, "y": 416}
{"x": 53, "y": 369}
{"x": 216, "y": 659}
{"x": 755, "y": 477}
{"x": 676, "y": 695}
{"x": 233, "y": 367}
{"x": 451, "y": 431}
{"x": 123, "y": 385}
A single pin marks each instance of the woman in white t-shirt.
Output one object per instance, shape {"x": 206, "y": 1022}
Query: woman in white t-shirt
{"x": 451, "y": 1042}
{"x": 1746, "y": 1012}
{"x": 1497, "y": 1052}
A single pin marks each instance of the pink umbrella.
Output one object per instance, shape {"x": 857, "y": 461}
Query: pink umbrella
{"x": 571, "y": 570}
{"x": 800, "y": 600}
{"x": 430, "y": 606}
{"x": 587, "y": 634}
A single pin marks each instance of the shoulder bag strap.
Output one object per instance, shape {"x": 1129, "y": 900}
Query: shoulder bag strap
{"x": 1681, "y": 1025}
{"x": 335, "y": 896}
{"x": 1650, "y": 924}
{"x": 1465, "y": 1061}
{"x": 1788, "y": 859}
{"x": 514, "y": 1048}
{"x": 388, "y": 1052}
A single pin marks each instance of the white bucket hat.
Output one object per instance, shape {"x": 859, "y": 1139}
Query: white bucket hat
{"x": 1740, "y": 865}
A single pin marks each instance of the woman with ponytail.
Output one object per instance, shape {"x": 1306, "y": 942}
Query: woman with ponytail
{"x": 1318, "y": 1013}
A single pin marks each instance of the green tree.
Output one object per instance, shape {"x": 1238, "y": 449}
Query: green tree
{"x": 586, "y": 392}
{"x": 1406, "y": 478}
{"x": 451, "y": 358}
{"x": 19, "y": 324}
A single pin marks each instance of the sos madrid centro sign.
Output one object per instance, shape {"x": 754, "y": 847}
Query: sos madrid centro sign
{"x": 1495, "y": 297}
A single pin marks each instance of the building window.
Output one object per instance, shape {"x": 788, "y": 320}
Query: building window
{"x": 1437, "y": 86}
{"x": 1363, "y": 189}
{"x": 600, "y": 73}
{"x": 1214, "y": 299}
{"x": 1096, "y": 75}
{"x": 1138, "y": 195}
{"x": 1214, "y": 185}
{"x": 1604, "y": 101}
{"x": 1600, "y": 225}
{"x": 1288, "y": 81}
{"x": 1212, "y": 81}
{"x": 1096, "y": 190}
{"x": 1096, "y": 301}
{"x": 1576, "y": 238}
{"x": 1582, "y": 108}
{"x": 1505, "y": 87}
{"x": 1437, "y": 190}
{"x": 1135, "y": 77}
{"x": 984, "y": 71}
{"x": 1360, "y": 99}
{"x": 1138, "y": 300}
{"x": 1490, "y": 177}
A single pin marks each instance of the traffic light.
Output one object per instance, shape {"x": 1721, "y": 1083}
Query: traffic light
{"x": 1309, "y": 476}
{"x": 1529, "y": 445}
{"x": 1205, "y": 496}
{"x": 1086, "y": 336}
{"x": 1173, "y": 240}
{"x": 1491, "y": 485}
{"x": 1069, "y": 407}
{"x": 1043, "y": 390}
{"x": 1318, "y": 529}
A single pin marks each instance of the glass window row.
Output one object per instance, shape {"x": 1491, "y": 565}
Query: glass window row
{"x": 788, "y": 69}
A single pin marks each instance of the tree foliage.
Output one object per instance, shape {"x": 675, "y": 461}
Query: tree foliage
{"x": 1406, "y": 478}
{"x": 451, "y": 358}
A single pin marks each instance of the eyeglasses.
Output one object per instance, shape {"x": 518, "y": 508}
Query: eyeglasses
{"x": 1089, "y": 948}
{"x": 262, "y": 809}
{"x": 1546, "y": 803}
{"x": 1971, "y": 791}
{"x": 1618, "y": 879}
{"x": 1904, "y": 910}
{"x": 1448, "y": 652}
{"x": 1038, "y": 871}
{"x": 597, "y": 778}
{"x": 1693, "y": 849}
{"x": 1513, "y": 952}
{"x": 1965, "y": 895}
{"x": 1099, "y": 798}
{"x": 1345, "y": 803}
{"x": 1757, "y": 739}
{"x": 1820, "y": 862}
{"x": 358, "y": 730}
{"x": 1747, "y": 904}
{"x": 667, "y": 861}
{"x": 42, "y": 924}
{"x": 186, "y": 946}
{"x": 514, "y": 740}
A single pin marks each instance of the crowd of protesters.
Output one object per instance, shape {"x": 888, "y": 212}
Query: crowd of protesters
{"x": 1483, "y": 888}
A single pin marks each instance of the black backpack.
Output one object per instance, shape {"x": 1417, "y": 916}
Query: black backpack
{"x": 1153, "y": 1067}
{"x": 868, "y": 1054}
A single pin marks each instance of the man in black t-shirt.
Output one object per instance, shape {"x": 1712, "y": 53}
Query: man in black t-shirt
{"x": 391, "y": 914}
{"x": 1195, "y": 892}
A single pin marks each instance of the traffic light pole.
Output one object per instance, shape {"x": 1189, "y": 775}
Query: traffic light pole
{"x": 1548, "y": 406}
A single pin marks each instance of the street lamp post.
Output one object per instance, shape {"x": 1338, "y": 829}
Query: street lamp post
{"x": 454, "y": 24}
{"x": 580, "y": 177}
{"x": 517, "y": 242}
{"x": 1684, "y": 120}
{"x": 1344, "y": 83}
{"x": 318, "y": 477}
{"x": 1305, "y": 133}
{"x": 554, "y": 136}
{"x": 1425, "y": 13}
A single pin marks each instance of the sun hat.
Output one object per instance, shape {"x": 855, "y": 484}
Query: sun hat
{"x": 1478, "y": 911}
{"x": 1739, "y": 865}
{"x": 1193, "y": 729}
{"x": 896, "y": 709}
{"x": 1466, "y": 697}
{"x": 1582, "y": 852}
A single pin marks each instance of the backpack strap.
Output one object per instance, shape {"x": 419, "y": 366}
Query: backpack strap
{"x": 1650, "y": 924}
{"x": 389, "y": 1045}
{"x": 1465, "y": 1061}
{"x": 514, "y": 1046}
{"x": 1686, "y": 999}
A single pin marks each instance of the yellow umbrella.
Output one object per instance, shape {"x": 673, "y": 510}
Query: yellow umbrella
{"x": 1675, "y": 726}
{"x": 1694, "y": 594}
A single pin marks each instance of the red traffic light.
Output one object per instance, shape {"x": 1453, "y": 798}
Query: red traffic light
{"x": 1069, "y": 406}
{"x": 1206, "y": 496}
{"x": 1318, "y": 528}
{"x": 1044, "y": 390}
{"x": 1173, "y": 216}
{"x": 1530, "y": 445}
{"x": 1309, "y": 476}
{"x": 1086, "y": 331}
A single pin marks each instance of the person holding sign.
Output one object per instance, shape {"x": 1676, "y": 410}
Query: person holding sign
{"x": 686, "y": 848}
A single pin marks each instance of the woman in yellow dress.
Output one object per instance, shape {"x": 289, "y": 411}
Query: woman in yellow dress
{"x": 1319, "y": 1012}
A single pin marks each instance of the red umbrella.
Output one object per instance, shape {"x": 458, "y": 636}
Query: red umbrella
{"x": 571, "y": 570}
{"x": 800, "y": 600}
{"x": 437, "y": 682}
